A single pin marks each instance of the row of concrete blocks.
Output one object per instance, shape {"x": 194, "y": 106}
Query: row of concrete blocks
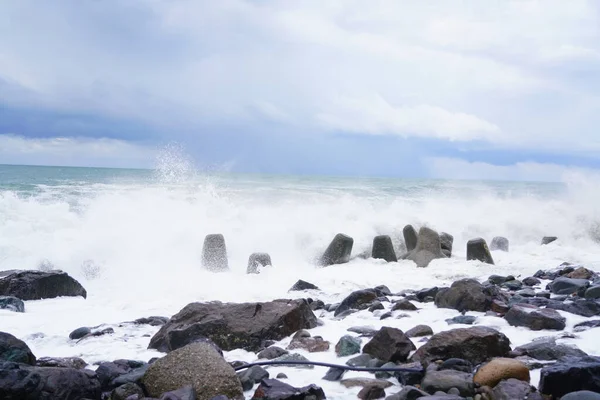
{"x": 422, "y": 248}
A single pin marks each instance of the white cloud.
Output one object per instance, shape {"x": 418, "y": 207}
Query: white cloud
{"x": 374, "y": 115}
{"x": 74, "y": 152}
{"x": 456, "y": 168}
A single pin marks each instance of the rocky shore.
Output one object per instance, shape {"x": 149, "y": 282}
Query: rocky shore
{"x": 440, "y": 343}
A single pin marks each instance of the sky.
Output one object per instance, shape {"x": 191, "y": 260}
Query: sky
{"x": 470, "y": 89}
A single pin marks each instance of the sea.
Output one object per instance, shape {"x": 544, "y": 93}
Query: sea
{"x": 133, "y": 238}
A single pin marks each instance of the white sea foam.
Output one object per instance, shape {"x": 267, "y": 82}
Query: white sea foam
{"x": 135, "y": 246}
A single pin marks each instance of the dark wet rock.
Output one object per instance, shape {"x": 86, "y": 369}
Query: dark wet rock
{"x": 214, "y": 253}
{"x": 36, "y": 285}
{"x": 581, "y": 273}
{"x": 384, "y": 248}
{"x": 475, "y": 344}
{"x": 334, "y": 374}
{"x": 528, "y": 292}
{"x": 303, "y": 285}
{"x": 592, "y": 292}
{"x": 194, "y": 364}
{"x": 365, "y": 382}
{"x": 567, "y": 286}
{"x": 317, "y": 305}
{"x": 80, "y": 333}
{"x": 15, "y": 350}
{"x": 512, "y": 389}
{"x": 572, "y": 375}
{"x": 583, "y": 307}
{"x": 389, "y": 344}
{"x": 310, "y": 344}
{"x": 535, "y": 318}
{"x": 499, "y": 243}
{"x": 124, "y": 391}
{"x": 135, "y": 375}
{"x": 585, "y": 325}
{"x": 410, "y": 237}
{"x": 462, "y": 319}
{"x": 513, "y": 285}
{"x": 467, "y": 295}
{"x": 419, "y": 331}
{"x": 582, "y": 395}
{"x": 272, "y": 389}
{"x": 383, "y": 374}
{"x": 412, "y": 374}
{"x": 425, "y": 293}
{"x": 347, "y": 346}
{"x": 338, "y": 251}
{"x": 477, "y": 249}
{"x": 428, "y": 248}
{"x": 456, "y": 364}
{"x": 447, "y": 379}
{"x": 281, "y": 375}
{"x": 292, "y": 357}
{"x": 404, "y": 305}
{"x": 499, "y": 279}
{"x": 446, "y": 241}
{"x": 272, "y": 352}
{"x": 376, "y": 305}
{"x": 186, "y": 393}
{"x": 382, "y": 291}
{"x": 408, "y": 393}
{"x": 66, "y": 362}
{"x": 24, "y": 382}
{"x": 256, "y": 261}
{"x": 531, "y": 281}
{"x": 548, "y": 239}
{"x": 365, "y": 331}
{"x": 358, "y": 300}
{"x": 543, "y": 293}
{"x": 548, "y": 350}
{"x": 371, "y": 393}
{"x": 152, "y": 321}
{"x": 360, "y": 361}
{"x": 344, "y": 314}
{"x": 119, "y": 372}
{"x": 234, "y": 325}
{"x": 12, "y": 303}
{"x": 251, "y": 376}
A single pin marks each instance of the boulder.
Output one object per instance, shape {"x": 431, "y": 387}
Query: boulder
{"x": 214, "y": 253}
{"x": 198, "y": 365}
{"x": 531, "y": 281}
{"x": 418, "y": 331}
{"x": 257, "y": 260}
{"x": 250, "y": 376}
{"x": 412, "y": 375}
{"x": 21, "y": 381}
{"x": 475, "y": 344}
{"x": 127, "y": 390}
{"x": 119, "y": 372}
{"x": 234, "y": 325}
{"x": 338, "y": 251}
{"x": 404, "y": 305}
{"x": 499, "y": 279}
{"x": 499, "y": 243}
{"x": 462, "y": 320}
{"x": 410, "y": 237}
{"x": 574, "y": 374}
{"x": 152, "y": 321}
{"x": 308, "y": 343}
{"x": 389, "y": 344}
{"x": 446, "y": 241}
{"x": 582, "y": 395}
{"x": 499, "y": 369}
{"x": 272, "y": 389}
{"x": 15, "y": 350}
{"x": 477, "y": 249}
{"x": 466, "y": 295}
{"x": 364, "y": 331}
{"x": 358, "y": 300}
{"x": 80, "y": 333}
{"x": 581, "y": 273}
{"x": 347, "y": 346}
{"x": 37, "y": 285}
{"x": 185, "y": 393}
{"x": 12, "y": 303}
{"x": 272, "y": 352}
{"x": 583, "y": 307}
{"x": 289, "y": 358}
{"x": 366, "y": 382}
{"x": 585, "y": 325}
{"x": 548, "y": 239}
{"x": 445, "y": 380}
{"x": 334, "y": 374}
{"x": 384, "y": 248}
{"x": 514, "y": 284}
{"x": 456, "y": 364}
{"x": 408, "y": 393}
{"x": 65, "y": 362}
{"x": 512, "y": 389}
{"x": 371, "y": 393}
{"x": 428, "y": 248}
{"x": 591, "y": 293}
{"x": 567, "y": 286}
{"x": 303, "y": 285}
{"x": 535, "y": 318}
{"x": 546, "y": 349}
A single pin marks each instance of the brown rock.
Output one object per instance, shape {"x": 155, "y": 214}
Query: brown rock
{"x": 371, "y": 393}
{"x": 366, "y": 382}
{"x": 581, "y": 273}
{"x": 499, "y": 307}
{"x": 500, "y": 369}
{"x": 310, "y": 344}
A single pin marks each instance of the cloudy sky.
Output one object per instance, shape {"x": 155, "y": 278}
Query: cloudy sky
{"x": 493, "y": 89}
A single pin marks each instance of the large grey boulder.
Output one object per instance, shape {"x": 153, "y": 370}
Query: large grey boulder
{"x": 37, "y": 285}
{"x": 549, "y": 350}
{"x": 535, "y": 318}
{"x": 12, "y": 303}
{"x": 428, "y": 248}
{"x": 447, "y": 240}
{"x": 410, "y": 237}
{"x": 198, "y": 365}
{"x": 467, "y": 295}
{"x": 234, "y": 325}
{"x": 570, "y": 375}
{"x": 214, "y": 253}
{"x": 15, "y": 350}
{"x": 477, "y": 249}
{"x": 338, "y": 251}
{"x": 567, "y": 286}
{"x": 384, "y": 248}
{"x": 357, "y": 300}
{"x": 445, "y": 380}
{"x": 389, "y": 344}
{"x": 499, "y": 243}
{"x": 257, "y": 260}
